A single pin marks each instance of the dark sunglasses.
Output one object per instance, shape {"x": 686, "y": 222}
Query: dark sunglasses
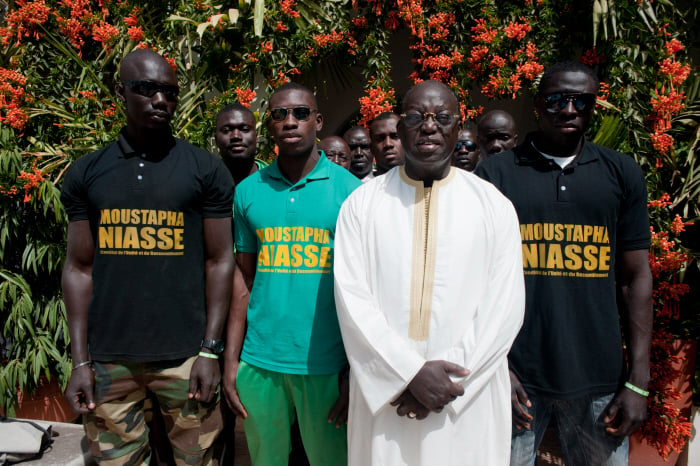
{"x": 555, "y": 103}
{"x": 150, "y": 88}
{"x": 299, "y": 113}
{"x": 414, "y": 119}
{"x": 469, "y": 145}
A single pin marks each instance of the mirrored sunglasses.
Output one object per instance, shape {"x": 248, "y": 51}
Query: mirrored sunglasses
{"x": 299, "y": 113}
{"x": 414, "y": 119}
{"x": 150, "y": 88}
{"x": 469, "y": 145}
{"x": 555, "y": 103}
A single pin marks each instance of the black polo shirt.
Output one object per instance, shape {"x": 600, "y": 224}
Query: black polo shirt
{"x": 574, "y": 222}
{"x": 146, "y": 213}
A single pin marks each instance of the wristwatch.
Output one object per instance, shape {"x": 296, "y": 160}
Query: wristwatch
{"x": 215, "y": 346}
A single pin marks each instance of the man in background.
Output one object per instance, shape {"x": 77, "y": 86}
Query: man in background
{"x": 496, "y": 133}
{"x": 385, "y": 143}
{"x": 336, "y": 150}
{"x": 361, "y": 160}
{"x": 466, "y": 153}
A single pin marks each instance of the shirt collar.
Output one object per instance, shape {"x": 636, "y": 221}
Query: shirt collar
{"x": 154, "y": 153}
{"x": 526, "y": 154}
{"x": 320, "y": 171}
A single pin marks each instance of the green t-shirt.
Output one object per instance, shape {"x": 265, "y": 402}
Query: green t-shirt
{"x": 292, "y": 322}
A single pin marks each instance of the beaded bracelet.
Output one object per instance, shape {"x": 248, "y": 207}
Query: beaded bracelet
{"x": 636, "y": 389}
{"x": 84, "y": 363}
{"x": 208, "y": 355}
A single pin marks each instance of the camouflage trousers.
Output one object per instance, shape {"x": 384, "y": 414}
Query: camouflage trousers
{"x": 116, "y": 429}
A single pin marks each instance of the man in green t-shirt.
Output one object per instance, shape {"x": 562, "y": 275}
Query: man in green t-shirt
{"x": 292, "y": 359}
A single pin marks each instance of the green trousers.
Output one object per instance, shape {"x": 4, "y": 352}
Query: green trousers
{"x": 273, "y": 400}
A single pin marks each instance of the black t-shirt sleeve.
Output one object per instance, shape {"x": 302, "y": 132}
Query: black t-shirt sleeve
{"x": 73, "y": 192}
{"x": 218, "y": 199}
{"x": 633, "y": 223}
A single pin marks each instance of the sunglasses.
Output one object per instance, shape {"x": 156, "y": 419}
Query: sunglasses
{"x": 469, "y": 145}
{"x": 414, "y": 119}
{"x": 299, "y": 113}
{"x": 555, "y": 103}
{"x": 150, "y": 88}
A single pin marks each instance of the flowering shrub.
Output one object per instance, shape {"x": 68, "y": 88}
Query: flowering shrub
{"x": 59, "y": 64}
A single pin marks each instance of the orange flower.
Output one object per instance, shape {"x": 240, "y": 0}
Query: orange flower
{"x": 375, "y": 102}
{"x": 517, "y": 31}
{"x": 287, "y": 8}
{"x": 130, "y": 20}
{"x": 266, "y": 47}
{"x": 672, "y": 46}
{"x": 104, "y": 33}
{"x": 24, "y": 20}
{"x": 662, "y": 142}
{"x": 135, "y": 33}
{"x": 676, "y": 71}
{"x": 280, "y": 27}
{"x": 245, "y": 96}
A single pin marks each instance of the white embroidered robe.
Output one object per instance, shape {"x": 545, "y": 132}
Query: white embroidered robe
{"x": 402, "y": 301}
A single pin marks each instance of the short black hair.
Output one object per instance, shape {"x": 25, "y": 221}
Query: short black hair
{"x": 297, "y": 87}
{"x": 236, "y": 107}
{"x": 384, "y": 116}
{"x": 563, "y": 66}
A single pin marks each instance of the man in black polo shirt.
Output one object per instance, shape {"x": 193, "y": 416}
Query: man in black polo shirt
{"x": 585, "y": 232}
{"x": 147, "y": 278}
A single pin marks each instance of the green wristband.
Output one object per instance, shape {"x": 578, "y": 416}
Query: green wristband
{"x": 208, "y": 355}
{"x": 636, "y": 389}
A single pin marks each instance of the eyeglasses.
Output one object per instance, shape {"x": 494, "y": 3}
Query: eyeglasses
{"x": 555, "y": 103}
{"x": 299, "y": 113}
{"x": 150, "y": 88}
{"x": 469, "y": 145}
{"x": 412, "y": 120}
{"x": 334, "y": 156}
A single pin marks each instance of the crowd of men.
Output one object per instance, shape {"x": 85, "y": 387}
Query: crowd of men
{"x": 366, "y": 292}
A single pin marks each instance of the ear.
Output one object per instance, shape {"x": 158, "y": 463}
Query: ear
{"x": 319, "y": 121}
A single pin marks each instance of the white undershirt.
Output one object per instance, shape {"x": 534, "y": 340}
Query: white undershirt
{"x": 561, "y": 161}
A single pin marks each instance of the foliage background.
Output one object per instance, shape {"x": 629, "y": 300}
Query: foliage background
{"x": 59, "y": 62}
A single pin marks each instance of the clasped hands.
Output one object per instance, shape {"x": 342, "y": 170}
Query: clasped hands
{"x": 430, "y": 390}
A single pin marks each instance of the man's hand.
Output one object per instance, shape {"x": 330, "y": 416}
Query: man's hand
{"x": 626, "y": 413}
{"x": 339, "y": 413}
{"x": 432, "y": 386}
{"x": 204, "y": 379}
{"x": 80, "y": 391}
{"x": 518, "y": 399}
{"x": 230, "y": 392}
{"x": 407, "y": 405}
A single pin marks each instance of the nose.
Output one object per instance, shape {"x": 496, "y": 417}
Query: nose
{"x": 158, "y": 99}
{"x": 569, "y": 107}
{"x": 289, "y": 121}
{"x": 429, "y": 124}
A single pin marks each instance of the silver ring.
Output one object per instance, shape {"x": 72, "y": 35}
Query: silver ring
{"x": 411, "y": 415}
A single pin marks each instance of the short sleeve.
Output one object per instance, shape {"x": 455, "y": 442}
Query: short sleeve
{"x": 219, "y": 191}
{"x": 74, "y": 192}
{"x": 244, "y": 236}
{"x": 633, "y": 223}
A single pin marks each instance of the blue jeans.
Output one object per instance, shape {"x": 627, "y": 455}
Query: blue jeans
{"x": 581, "y": 429}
